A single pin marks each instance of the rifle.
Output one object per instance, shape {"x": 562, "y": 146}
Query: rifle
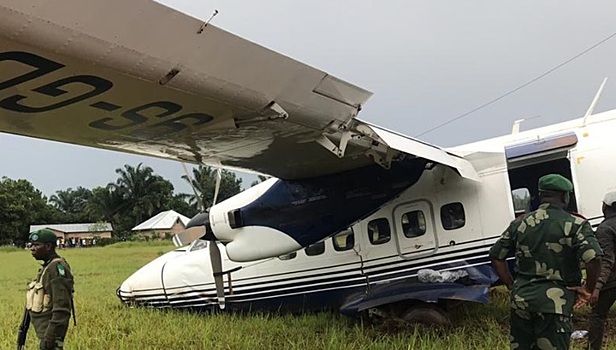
{"x": 22, "y": 333}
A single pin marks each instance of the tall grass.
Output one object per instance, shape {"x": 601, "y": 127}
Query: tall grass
{"x": 103, "y": 323}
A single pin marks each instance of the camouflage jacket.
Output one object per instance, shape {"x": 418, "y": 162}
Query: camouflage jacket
{"x": 58, "y": 284}
{"x": 548, "y": 245}
{"x": 606, "y": 235}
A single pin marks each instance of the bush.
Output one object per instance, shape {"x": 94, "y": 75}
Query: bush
{"x": 105, "y": 241}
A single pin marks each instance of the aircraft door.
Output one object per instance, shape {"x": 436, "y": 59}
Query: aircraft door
{"x": 386, "y": 249}
{"x": 415, "y": 233}
{"x": 530, "y": 160}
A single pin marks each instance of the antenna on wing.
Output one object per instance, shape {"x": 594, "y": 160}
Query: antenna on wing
{"x": 516, "y": 124}
{"x": 591, "y": 108}
{"x": 207, "y": 22}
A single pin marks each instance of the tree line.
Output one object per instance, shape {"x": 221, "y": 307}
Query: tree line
{"x": 135, "y": 196}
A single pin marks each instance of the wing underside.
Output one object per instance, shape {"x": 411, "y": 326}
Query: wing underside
{"x": 142, "y": 78}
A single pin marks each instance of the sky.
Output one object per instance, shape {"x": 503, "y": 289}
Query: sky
{"x": 427, "y": 63}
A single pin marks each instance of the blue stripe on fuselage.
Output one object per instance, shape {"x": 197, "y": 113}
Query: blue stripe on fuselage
{"x": 311, "y": 209}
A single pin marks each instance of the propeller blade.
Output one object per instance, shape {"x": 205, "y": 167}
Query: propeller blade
{"x": 187, "y": 236}
{"x": 215, "y": 254}
{"x": 199, "y": 231}
{"x": 217, "y": 271}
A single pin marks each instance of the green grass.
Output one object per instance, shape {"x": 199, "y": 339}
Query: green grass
{"x": 9, "y": 248}
{"x": 103, "y": 323}
{"x": 142, "y": 244}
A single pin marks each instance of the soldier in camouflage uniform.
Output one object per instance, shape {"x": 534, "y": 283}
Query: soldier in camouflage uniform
{"x": 604, "y": 295}
{"x": 548, "y": 245}
{"x": 50, "y": 297}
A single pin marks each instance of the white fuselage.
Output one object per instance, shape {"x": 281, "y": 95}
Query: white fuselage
{"x": 336, "y": 271}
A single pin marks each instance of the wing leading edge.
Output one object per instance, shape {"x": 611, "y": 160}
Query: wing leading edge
{"x": 148, "y": 82}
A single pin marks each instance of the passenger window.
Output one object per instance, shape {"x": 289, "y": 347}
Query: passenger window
{"x": 344, "y": 240}
{"x": 288, "y": 256}
{"x": 315, "y": 249}
{"x": 521, "y": 201}
{"x": 378, "y": 231}
{"x": 413, "y": 224}
{"x": 452, "y": 216}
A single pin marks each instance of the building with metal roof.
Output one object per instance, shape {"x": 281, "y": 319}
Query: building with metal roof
{"x": 164, "y": 224}
{"x": 81, "y": 234}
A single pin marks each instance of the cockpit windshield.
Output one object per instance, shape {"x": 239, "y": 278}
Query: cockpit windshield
{"x": 197, "y": 245}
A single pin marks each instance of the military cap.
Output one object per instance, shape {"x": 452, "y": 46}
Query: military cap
{"x": 610, "y": 198}
{"x": 43, "y": 236}
{"x": 555, "y": 182}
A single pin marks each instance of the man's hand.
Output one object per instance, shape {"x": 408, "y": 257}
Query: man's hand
{"x": 594, "y": 297}
{"x": 583, "y": 296}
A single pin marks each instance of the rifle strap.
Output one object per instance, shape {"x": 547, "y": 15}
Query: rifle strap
{"x": 73, "y": 311}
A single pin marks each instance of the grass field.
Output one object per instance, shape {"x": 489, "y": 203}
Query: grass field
{"x": 103, "y": 323}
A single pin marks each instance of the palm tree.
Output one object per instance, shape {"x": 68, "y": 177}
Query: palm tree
{"x": 106, "y": 203}
{"x": 72, "y": 203}
{"x": 204, "y": 183}
{"x": 143, "y": 191}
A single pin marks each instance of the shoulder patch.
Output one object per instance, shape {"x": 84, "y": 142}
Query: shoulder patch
{"x": 61, "y": 270}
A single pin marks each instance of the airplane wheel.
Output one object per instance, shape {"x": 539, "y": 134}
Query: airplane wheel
{"x": 374, "y": 315}
{"x": 428, "y": 315}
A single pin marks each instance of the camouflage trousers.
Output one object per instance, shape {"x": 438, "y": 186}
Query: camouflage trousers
{"x": 598, "y": 316}
{"x": 535, "y": 330}
{"x": 59, "y": 345}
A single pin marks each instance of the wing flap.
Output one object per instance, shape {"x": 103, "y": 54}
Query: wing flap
{"x": 421, "y": 149}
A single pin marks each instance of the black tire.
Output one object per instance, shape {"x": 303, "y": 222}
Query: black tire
{"x": 427, "y": 315}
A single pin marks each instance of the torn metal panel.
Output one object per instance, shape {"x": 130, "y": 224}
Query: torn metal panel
{"x": 425, "y": 150}
{"x": 474, "y": 287}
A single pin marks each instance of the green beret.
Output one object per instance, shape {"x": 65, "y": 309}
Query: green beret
{"x": 555, "y": 182}
{"x": 43, "y": 236}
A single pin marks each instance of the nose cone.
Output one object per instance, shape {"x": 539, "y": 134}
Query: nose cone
{"x": 145, "y": 286}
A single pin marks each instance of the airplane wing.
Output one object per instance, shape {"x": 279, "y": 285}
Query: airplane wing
{"x": 139, "y": 77}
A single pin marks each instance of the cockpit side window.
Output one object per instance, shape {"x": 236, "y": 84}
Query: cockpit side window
{"x": 315, "y": 249}
{"x": 289, "y": 256}
{"x": 198, "y": 245}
